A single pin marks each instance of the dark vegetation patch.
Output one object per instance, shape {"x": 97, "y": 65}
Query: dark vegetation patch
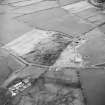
{"x": 47, "y": 51}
